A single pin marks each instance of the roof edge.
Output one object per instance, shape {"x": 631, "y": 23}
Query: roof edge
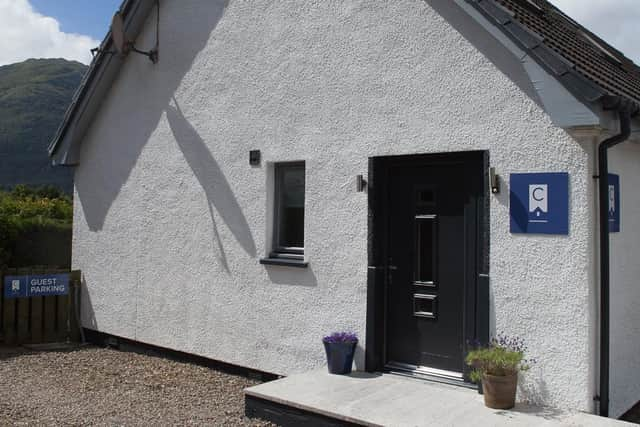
{"x": 555, "y": 64}
{"x": 102, "y": 72}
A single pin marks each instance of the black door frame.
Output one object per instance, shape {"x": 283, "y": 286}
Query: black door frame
{"x": 476, "y": 322}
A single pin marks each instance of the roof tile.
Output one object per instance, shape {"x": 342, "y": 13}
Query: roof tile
{"x": 594, "y": 58}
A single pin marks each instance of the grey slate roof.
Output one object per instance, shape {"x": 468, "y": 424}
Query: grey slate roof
{"x": 585, "y": 64}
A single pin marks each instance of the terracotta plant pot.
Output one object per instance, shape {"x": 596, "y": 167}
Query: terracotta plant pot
{"x": 499, "y": 392}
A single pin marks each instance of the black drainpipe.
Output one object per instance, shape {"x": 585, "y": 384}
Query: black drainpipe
{"x": 624, "y": 114}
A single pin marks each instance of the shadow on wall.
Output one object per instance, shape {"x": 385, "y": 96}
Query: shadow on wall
{"x": 359, "y": 358}
{"x": 291, "y": 276}
{"x": 535, "y": 391}
{"x": 99, "y": 184}
{"x": 214, "y": 184}
{"x": 87, "y": 315}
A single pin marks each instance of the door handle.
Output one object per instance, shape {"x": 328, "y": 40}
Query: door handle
{"x": 382, "y": 267}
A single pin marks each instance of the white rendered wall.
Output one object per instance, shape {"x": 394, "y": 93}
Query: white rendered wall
{"x": 170, "y": 219}
{"x": 624, "y": 160}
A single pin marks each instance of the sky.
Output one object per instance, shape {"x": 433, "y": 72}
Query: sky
{"x": 53, "y": 28}
{"x": 615, "y": 21}
{"x": 89, "y": 17}
{"x": 70, "y": 28}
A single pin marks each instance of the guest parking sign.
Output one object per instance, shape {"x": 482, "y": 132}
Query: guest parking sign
{"x": 36, "y": 286}
{"x": 539, "y": 203}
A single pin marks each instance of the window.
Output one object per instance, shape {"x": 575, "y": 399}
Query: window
{"x": 288, "y": 226}
{"x": 289, "y": 201}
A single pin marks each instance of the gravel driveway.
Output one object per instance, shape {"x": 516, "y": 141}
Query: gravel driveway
{"x": 108, "y": 387}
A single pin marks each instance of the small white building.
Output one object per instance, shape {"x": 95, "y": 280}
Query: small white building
{"x": 376, "y": 131}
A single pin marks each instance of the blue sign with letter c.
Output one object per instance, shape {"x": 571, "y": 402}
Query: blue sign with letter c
{"x": 614, "y": 203}
{"x": 539, "y": 203}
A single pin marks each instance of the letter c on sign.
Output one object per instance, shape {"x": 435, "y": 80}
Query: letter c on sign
{"x": 535, "y": 196}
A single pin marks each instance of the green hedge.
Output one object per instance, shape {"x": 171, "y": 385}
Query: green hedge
{"x": 28, "y": 211}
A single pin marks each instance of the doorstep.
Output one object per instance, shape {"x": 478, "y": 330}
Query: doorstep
{"x": 373, "y": 399}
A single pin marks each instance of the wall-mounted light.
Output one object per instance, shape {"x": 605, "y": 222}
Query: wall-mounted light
{"x": 494, "y": 180}
{"x": 361, "y": 183}
{"x": 254, "y": 157}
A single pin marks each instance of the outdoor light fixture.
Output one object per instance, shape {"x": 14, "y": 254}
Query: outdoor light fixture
{"x": 494, "y": 180}
{"x": 254, "y": 157}
{"x": 361, "y": 183}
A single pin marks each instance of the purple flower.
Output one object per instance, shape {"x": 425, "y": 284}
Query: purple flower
{"x": 509, "y": 343}
{"x": 341, "y": 337}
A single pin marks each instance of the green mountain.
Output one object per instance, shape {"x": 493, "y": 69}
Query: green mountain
{"x": 34, "y": 96}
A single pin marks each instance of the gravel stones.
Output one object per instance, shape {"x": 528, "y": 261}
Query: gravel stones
{"x": 97, "y": 386}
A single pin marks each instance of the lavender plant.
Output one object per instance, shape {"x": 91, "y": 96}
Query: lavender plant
{"x": 503, "y": 356}
{"x": 341, "y": 337}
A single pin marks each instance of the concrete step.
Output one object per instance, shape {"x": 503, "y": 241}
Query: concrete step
{"x": 318, "y": 398}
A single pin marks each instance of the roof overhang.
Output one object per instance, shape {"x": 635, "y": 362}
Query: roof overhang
{"x": 553, "y": 76}
{"x": 65, "y": 146}
{"x": 568, "y": 97}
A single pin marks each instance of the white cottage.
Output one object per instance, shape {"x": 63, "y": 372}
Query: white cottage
{"x": 288, "y": 168}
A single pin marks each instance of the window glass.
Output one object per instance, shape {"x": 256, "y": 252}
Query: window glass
{"x": 425, "y": 248}
{"x": 290, "y": 181}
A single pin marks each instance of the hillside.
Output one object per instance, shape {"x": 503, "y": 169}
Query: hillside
{"x": 34, "y": 96}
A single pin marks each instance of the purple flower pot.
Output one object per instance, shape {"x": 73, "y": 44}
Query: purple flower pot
{"x": 340, "y": 356}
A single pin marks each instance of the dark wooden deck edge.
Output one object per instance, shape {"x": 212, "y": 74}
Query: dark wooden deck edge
{"x": 102, "y": 339}
{"x": 288, "y": 416}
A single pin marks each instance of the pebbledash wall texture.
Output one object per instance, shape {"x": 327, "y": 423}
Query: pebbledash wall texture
{"x": 171, "y": 220}
{"x": 625, "y": 282}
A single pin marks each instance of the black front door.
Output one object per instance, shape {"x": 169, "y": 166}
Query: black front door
{"x": 431, "y": 255}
